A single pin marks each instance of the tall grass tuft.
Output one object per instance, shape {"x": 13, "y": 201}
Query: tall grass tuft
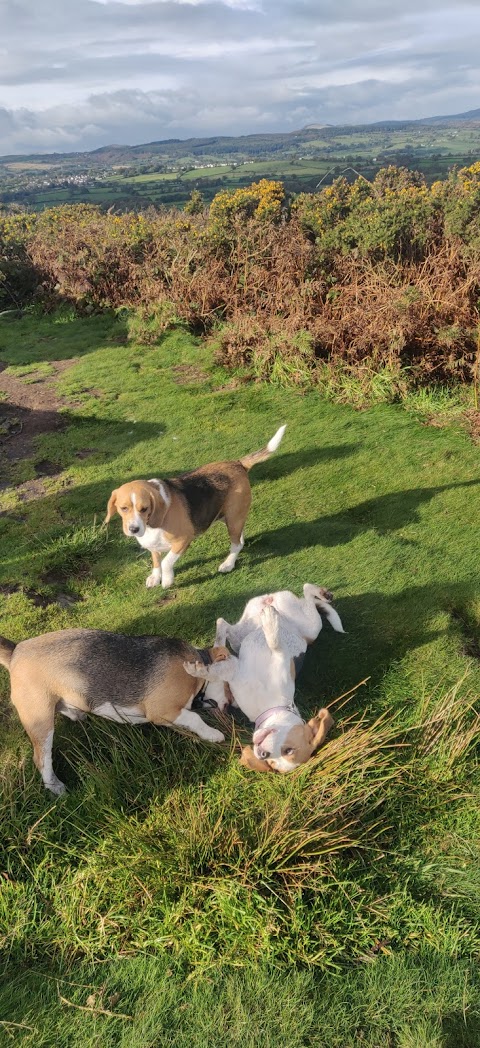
{"x": 206, "y": 861}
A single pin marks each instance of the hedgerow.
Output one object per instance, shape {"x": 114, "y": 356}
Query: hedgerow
{"x": 380, "y": 275}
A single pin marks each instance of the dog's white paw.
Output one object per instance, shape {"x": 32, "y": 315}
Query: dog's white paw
{"x": 195, "y": 669}
{"x": 153, "y": 580}
{"x": 214, "y": 735}
{"x": 227, "y": 566}
{"x": 56, "y": 786}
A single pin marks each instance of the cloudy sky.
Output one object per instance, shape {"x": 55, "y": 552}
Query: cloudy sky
{"x": 77, "y": 74}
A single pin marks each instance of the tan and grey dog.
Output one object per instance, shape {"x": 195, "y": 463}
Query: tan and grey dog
{"x": 164, "y": 516}
{"x": 133, "y": 680}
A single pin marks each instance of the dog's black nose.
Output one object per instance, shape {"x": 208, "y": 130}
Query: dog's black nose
{"x": 133, "y": 529}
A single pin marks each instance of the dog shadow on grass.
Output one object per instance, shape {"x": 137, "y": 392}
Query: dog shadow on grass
{"x": 461, "y": 1030}
{"x": 380, "y": 630}
{"x": 284, "y": 463}
{"x": 59, "y": 336}
{"x": 384, "y": 514}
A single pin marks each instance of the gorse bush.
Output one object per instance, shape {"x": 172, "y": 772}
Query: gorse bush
{"x": 383, "y": 274}
{"x": 19, "y": 276}
{"x": 394, "y": 217}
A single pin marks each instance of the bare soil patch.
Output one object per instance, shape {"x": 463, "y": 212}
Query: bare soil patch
{"x": 473, "y": 422}
{"x": 28, "y": 410}
{"x": 188, "y": 375}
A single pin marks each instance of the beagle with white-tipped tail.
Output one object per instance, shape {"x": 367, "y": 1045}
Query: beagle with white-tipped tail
{"x": 166, "y": 515}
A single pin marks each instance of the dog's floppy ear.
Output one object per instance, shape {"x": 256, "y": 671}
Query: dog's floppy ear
{"x": 320, "y": 725}
{"x": 249, "y": 760}
{"x": 159, "y": 503}
{"x": 112, "y": 507}
{"x": 219, "y": 653}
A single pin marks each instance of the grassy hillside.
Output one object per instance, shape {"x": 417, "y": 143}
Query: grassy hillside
{"x": 172, "y": 897}
{"x": 110, "y": 176}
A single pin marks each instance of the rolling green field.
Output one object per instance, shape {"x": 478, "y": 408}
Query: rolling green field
{"x": 173, "y": 188}
{"x": 171, "y": 897}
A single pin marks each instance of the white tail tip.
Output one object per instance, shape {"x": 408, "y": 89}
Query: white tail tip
{"x": 276, "y": 440}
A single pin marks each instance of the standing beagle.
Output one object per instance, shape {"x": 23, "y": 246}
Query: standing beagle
{"x": 166, "y": 515}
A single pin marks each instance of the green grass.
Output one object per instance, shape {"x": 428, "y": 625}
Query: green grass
{"x": 205, "y": 905}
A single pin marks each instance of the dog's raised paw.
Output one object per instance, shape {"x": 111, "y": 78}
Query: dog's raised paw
{"x": 194, "y": 668}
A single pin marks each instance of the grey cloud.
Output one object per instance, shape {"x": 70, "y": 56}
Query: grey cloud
{"x": 136, "y": 71}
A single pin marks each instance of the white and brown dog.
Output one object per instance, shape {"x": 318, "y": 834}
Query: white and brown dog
{"x": 270, "y": 641}
{"x": 166, "y": 515}
{"x": 132, "y": 680}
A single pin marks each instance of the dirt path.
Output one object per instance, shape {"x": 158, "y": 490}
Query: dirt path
{"x": 28, "y": 410}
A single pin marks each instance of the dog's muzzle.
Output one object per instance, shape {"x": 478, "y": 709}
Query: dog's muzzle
{"x": 270, "y": 722}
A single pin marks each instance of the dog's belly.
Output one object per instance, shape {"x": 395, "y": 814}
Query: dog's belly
{"x": 120, "y": 714}
{"x": 154, "y": 540}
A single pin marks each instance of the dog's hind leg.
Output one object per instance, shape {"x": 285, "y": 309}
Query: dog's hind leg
{"x": 234, "y": 634}
{"x": 222, "y": 632}
{"x": 271, "y": 625}
{"x": 36, "y": 710}
{"x": 235, "y": 514}
{"x": 235, "y": 548}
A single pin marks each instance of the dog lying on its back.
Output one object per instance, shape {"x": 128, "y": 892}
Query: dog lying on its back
{"x": 271, "y": 636}
{"x": 133, "y": 680}
{"x": 166, "y": 515}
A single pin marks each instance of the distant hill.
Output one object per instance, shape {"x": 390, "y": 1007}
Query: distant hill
{"x": 239, "y": 146}
{"x": 473, "y": 115}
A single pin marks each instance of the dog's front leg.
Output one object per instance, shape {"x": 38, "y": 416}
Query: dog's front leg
{"x": 177, "y": 548}
{"x": 190, "y": 719}
{"x": 156, "y": 577}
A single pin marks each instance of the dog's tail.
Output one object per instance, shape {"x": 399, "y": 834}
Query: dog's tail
{"x": 7, "y": 648}
{"x": 259, "y": 456}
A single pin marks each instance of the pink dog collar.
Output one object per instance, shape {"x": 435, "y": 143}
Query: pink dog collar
{"x": 275, "y": 709}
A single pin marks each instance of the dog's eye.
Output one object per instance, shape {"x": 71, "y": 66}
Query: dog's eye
{"x": 264, "y": 755}
{"x": 143, "y": 509}
{"x": 124, "y": 509}
{"x": 288, "y": 751}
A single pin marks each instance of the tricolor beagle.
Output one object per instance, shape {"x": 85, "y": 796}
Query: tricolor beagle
{"x": 166, "y": 515}
{"x": 270, "y": 641}
{"x": 133, "y": 680}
